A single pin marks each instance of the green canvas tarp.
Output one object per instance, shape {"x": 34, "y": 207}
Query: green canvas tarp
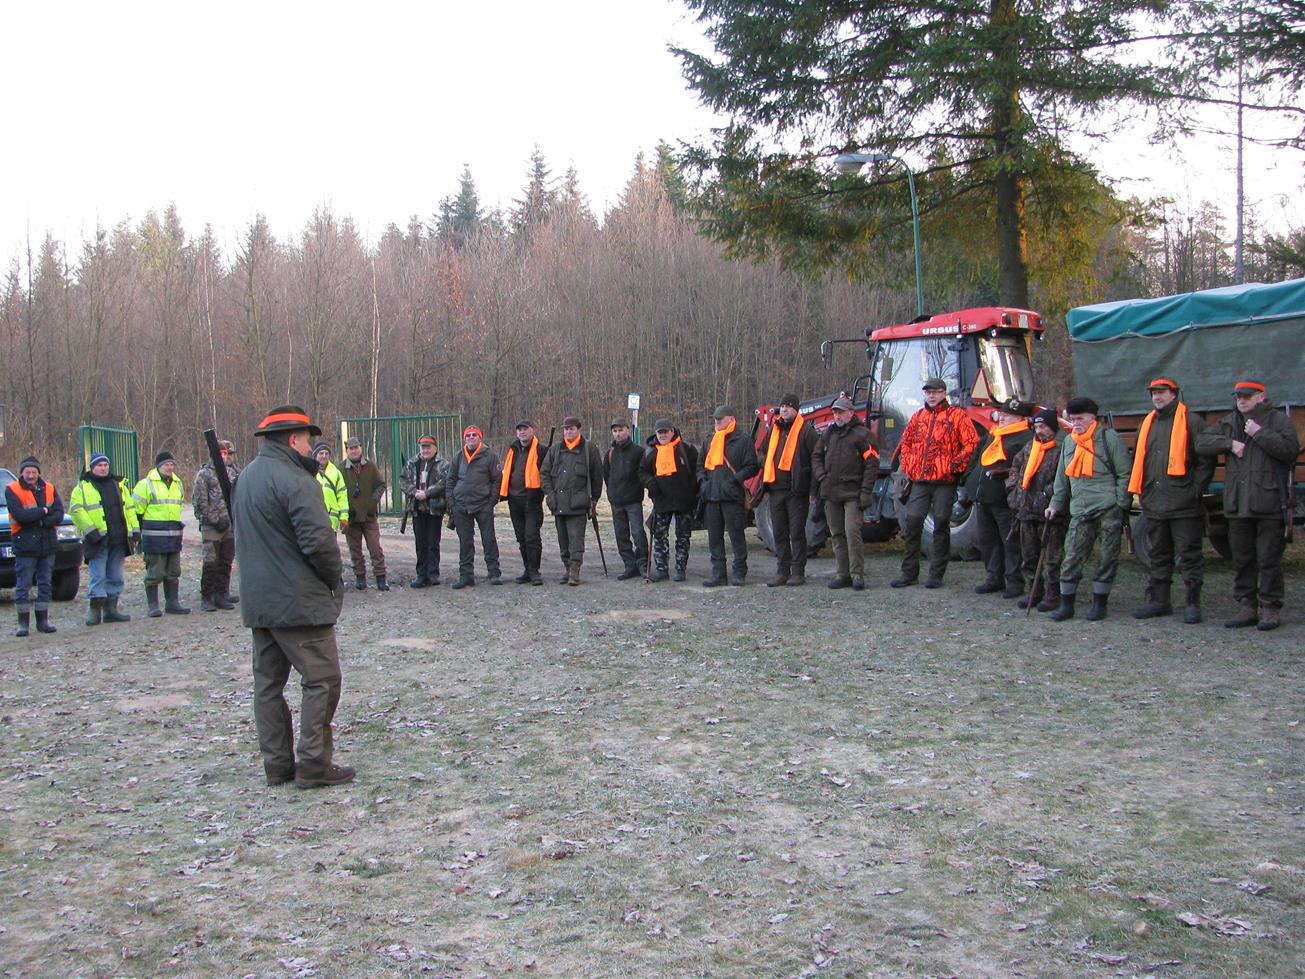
{"x": 1203, "y": 340}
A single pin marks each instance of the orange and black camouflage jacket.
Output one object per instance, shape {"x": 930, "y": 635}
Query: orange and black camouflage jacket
{"x": 938, "y": 444}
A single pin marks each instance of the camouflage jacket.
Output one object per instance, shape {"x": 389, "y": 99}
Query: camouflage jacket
{"x": 210, "y": 507}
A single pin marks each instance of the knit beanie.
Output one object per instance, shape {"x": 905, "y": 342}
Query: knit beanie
{"x": 164, "y": 456}
{"x": 29, "y": 461}
{"x": 96, "y": 459}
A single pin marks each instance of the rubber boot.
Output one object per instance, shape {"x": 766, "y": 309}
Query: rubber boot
{"x": 1192, "y": 612}
{"x": 24, "y": 622}
{"x": 381, "y": 583}
{"x": 1098, "y": 610}
{"x": 1066, "y": 610}
{"x": 171, "y": 603}
{"x": 206, "y": 604}
{"x": 222, "y": 601}
{"x": 95, "y": 615}
{"x": 43, "y": 621}
{"x": 1157, "y": 602}
{"x": 111, "y": 613}
{"x": 232, "y": 600}
{"x": 152, "y": 600}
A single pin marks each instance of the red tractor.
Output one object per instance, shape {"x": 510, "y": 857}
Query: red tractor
{"x": 983, "y": 354}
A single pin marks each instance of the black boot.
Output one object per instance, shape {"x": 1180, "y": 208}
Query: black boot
{"x": 95, "y": 615}
{"x": 381, "y": 583}
{"x": 111, "y": 613}
{"x": 1192, "y": 612}
{"x": 207, "y": 604}
{"x": 43, "y": 621}
{"x": 152, "y": 600}
{"x": 360, "y": 582}
{"x": 1066, "y": 610}
{"x": 24, "y": 622}
{"x": 171, "y": 600}
{"x": 1157, "y": 602}
{"x": 1098, "y": 610}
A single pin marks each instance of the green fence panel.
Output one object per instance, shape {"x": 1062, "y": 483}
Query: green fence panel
{"x": 119, "y": 444}
{"x": 392, "y": 440}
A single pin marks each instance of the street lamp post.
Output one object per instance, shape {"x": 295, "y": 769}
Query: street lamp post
{"x": 850, "y": 163}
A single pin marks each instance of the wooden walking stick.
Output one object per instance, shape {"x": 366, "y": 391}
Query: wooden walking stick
{"x": 1037, "y": 574}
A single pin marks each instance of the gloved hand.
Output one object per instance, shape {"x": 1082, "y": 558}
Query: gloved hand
{"x": 591, "y": 510}
{"x": 135, "y": 538}
{"x": 93, "y": 536}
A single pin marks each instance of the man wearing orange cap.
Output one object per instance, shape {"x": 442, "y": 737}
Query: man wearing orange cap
{"x": 290, "y": 581}
{"x": 472, "y": 488}
{"x": 1260, "y": 446}
{"x": 1170, "y": 479}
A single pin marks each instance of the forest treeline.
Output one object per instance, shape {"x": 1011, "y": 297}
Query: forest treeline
{"x": 539, "y": 310}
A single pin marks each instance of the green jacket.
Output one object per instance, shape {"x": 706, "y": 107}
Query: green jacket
{"x": 1253, "y": 483}
{"x": 572, "y": 478}
{"x": 1168, "y": 497}
{"x": 366, "y": 487}
{"x": 289, "y": 558}
{"x": 1108, "y": 484}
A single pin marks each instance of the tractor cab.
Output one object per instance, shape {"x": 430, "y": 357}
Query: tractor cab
{"x": 983, "y": 354}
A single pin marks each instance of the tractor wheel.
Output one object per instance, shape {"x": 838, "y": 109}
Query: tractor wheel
{"x": 764, "y": 530}
{"x": 965, "y": 533}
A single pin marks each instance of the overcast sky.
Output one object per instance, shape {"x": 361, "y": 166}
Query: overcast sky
{"x": 275, "y": 107}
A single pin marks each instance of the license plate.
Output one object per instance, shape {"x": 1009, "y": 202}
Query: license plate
{"x": 6, "y": 551}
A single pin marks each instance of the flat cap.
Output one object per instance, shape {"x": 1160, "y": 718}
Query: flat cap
{"x": 724, "y": 411}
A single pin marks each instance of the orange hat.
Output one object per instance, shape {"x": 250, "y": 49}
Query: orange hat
{"x": 472, "y": 428}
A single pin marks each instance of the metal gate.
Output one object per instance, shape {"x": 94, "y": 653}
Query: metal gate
{"x": 391, "y": 441}
{"x": 119, "y": 444}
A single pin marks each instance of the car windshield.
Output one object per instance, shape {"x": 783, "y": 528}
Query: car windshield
{"x": 1006, "y": 368}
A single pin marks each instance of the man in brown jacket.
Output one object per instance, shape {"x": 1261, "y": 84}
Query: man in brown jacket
{"x": 845, "y": 465}
{"x": 1260, "y": 445}
{"x": 366, "y": 486}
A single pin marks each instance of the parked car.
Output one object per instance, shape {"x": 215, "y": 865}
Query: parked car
{"x": 67, "y": 554}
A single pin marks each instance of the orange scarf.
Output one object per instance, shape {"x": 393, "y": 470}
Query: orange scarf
{"x": 716, "y": 454}
{"x": 666, "y": 464}
{"x": 572, "y": 443}
{"x": 790, "y": 449}
{"x": 471, "y": 455}
{"x": 1037, "y": 449}
{"x": 996, "y": 450}
{"x": 1177, "y": 448}
{"x": 1085, "y": 456}
{"x": 532, "y": 468}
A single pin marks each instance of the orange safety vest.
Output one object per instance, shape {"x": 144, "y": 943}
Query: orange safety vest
{"x": 27, "y": 498}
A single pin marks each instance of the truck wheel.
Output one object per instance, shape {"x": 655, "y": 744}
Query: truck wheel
{"x": 965, "y": 534}
{"x": 764, "y": 530}
{"x": 1141, "y": 542}
{"x": 65, "y": 584}
{"x": 817, "y": 528}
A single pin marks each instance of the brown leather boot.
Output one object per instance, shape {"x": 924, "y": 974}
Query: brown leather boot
{"x": 1245, "y": 616}
{"x": 573, "y": 575}
{"x": 1269, "y": 619}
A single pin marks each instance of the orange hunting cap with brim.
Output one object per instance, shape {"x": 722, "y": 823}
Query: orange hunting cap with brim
{"x": 287, "y": 418}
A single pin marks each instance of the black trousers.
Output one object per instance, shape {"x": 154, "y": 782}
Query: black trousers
{"x": 527, "y": 515}
{"x": 426, "y": 531}
{"x": 466, "y": 525}
{"x": 999, "y": 544}
{"x": 631, "y": 537}
{"x": 925, "y": 499}
{"x": 722, "y": 517}
{"x": 1176, "y": 541}
{"x": 1257, "y": 545}
{"x": 788, "y": 524}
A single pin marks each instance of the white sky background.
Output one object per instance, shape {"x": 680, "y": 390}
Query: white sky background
{"x": 237, "y": 108}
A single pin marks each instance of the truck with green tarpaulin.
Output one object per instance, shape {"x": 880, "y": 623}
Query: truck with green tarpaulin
{"x": 1206, "y": 341}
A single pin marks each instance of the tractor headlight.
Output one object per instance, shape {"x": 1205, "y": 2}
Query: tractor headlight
{"x": 67, "y": 531}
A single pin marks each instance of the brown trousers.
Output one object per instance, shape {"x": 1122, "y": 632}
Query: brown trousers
{"x": 369, "y": 531}
{"x": 311, "y": 650}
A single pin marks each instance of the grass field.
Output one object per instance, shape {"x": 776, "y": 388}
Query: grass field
{"x": 662, "y": 780}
